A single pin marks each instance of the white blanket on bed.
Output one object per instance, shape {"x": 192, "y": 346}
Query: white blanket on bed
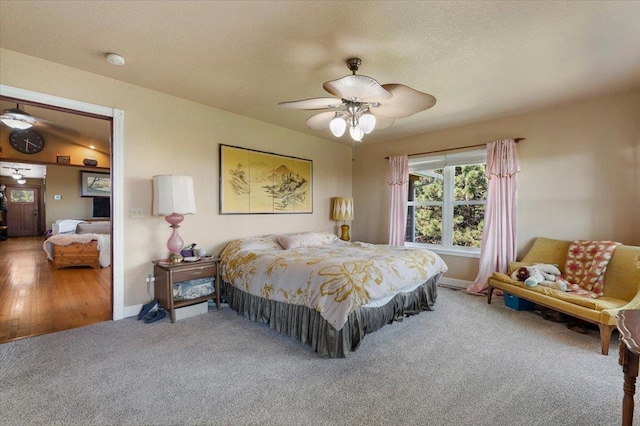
{"x": 104, "y": 244}
{"x": 333, "y": 279}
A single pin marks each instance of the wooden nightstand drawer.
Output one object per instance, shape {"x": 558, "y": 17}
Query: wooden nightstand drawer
{"x": 193, "y": 273}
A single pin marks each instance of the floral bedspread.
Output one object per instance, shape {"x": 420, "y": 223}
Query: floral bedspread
{"x": 334, "y": 277}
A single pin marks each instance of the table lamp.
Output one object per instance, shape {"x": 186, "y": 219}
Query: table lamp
{"x": 173, "y": 197}
{"x": 343, "y": 211}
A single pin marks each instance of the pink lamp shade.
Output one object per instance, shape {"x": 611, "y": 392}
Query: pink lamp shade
{"x": 173, "y": 197}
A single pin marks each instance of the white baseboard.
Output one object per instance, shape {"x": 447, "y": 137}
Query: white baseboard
{"x": 132, "y": 311}
{"x": 453, "y": 282}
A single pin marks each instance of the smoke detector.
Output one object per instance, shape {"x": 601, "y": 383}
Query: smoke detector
{"x": 115, "y": 59}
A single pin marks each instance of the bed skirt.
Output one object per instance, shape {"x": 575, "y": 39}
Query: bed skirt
{"x": 310, "y": 328}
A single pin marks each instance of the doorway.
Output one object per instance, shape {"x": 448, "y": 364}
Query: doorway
{"x": 115, "y": 301}
{"x": 23, "y": 214}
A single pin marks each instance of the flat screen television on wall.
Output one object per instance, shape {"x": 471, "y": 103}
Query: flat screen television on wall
{"x": 101, "y": 206}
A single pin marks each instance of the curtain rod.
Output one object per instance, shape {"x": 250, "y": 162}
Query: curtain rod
{"x": 453, "y": 149}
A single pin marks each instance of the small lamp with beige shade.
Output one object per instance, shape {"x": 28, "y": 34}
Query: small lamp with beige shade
{"x": 343, "y": 211}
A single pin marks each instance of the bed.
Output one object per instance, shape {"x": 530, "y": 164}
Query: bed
{"x": 79, "y": 243}
{"x": 326, "y": 292}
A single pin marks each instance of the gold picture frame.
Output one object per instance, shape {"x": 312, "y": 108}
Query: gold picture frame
{"x": 63, "y": 159}
{"x": 258, "y": 182}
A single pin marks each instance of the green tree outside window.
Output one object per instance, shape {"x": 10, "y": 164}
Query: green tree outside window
{"x": 467, "y": 194}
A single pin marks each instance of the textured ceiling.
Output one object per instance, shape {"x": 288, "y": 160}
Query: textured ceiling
{"x": 479, "y": 59}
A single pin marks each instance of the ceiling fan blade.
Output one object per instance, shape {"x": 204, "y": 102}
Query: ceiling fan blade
{"x": 18, "y": 114}
{"x": 313, "y": 103}
{"x": 61, "y": 131}
{"x": 321, "y": 121}
{"x": 359, "y": 88}
{"x": 405, "y": 102}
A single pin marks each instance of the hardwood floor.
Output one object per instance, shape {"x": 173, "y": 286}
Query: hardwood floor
{"x": 37, "y": 299}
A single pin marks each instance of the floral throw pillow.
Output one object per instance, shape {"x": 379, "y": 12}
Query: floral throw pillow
{"x": 586, "y": 265}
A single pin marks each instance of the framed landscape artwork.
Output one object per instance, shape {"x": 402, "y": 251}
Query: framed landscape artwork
{"x": 94, "y": 184}
{"x": 253, "y": 182}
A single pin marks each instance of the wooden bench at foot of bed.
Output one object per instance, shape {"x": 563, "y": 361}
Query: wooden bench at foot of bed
{"x": 76, "y": 254}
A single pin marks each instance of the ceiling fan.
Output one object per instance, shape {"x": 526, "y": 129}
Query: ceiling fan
{"x": 362, "y": 104}
{"x": 19, "y": 177}
{"x": 17, "y": 118}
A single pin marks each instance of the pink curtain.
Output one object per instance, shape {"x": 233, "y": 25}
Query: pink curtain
{"x": 399, "y": 192}
{"x": 499, "y": 233}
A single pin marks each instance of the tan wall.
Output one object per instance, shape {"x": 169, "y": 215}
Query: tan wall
{"x": 54, "y": 146}
{"x": 65, "y": 181}
{"x": 580, "y": 174}
{"x": 155, "y": 143}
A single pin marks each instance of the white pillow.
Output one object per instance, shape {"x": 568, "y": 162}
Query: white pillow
{"x": 307, "y": 239}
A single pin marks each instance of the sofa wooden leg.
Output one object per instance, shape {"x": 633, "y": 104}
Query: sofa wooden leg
{"x": 605, "y": 337}
{"x": 489, "y": 294}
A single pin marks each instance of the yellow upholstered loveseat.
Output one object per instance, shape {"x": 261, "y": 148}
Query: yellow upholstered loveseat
{"x": 621, "y": 286}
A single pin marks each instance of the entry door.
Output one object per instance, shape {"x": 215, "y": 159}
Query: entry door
{"x": 23, "y": 215}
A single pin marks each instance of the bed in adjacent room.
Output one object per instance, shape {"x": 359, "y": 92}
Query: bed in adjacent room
{"x": 326, "y": 292}
{"x": 79, "y": 243}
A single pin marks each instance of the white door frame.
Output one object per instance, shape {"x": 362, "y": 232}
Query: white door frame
{"x": 117, "y": 178}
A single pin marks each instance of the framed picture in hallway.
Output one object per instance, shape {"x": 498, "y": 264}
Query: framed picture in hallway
{"x": 94, "y": 184}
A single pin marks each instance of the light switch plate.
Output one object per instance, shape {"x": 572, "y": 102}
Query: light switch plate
{"x": 137, "y": 212}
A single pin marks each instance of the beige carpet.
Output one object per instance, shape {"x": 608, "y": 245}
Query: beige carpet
{"x": 467, "y": 363}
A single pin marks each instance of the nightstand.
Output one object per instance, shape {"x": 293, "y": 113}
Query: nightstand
{"x": 166, "y": 274}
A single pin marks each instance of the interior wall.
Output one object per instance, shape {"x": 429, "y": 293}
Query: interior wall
{"x": 155, "y": 143}
{"x": 580, "y": 175}
{"x": 65, "y": 182}
{"x": 53, "y": 147}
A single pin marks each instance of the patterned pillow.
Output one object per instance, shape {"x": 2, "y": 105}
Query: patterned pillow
{"x": 270, "y": 242}
{"x": 256, "y": 243}
{"x": 587, "y": 263}
{"x": 307, "y": 239}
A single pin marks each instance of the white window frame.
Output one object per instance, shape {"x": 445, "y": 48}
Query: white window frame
{"x": 448, "y": 163}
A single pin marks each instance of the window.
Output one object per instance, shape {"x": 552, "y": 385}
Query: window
{"x": 447, "y": 197}
{"x": 22, "y": 195}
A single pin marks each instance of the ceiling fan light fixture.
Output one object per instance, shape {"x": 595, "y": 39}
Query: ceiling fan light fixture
{"x": 21, "y": 181}
{"x": 16, "y": 176}
{"x": 338, "y": 126}
{"x": 356, "y": 133}
{"x": 367, "y": 122}
{"x": 16, "y": 123}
